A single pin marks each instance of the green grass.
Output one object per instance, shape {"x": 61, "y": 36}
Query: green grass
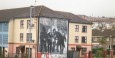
{"x": 94, "y": 56}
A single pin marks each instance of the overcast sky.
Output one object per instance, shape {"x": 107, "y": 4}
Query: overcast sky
{"x": 84, "y": 7}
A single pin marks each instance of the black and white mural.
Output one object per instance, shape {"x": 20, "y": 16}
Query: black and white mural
{"x": 53, "y": 37}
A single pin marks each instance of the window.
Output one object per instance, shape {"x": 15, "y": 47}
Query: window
{"x": 84, "y": 39}
{"x": 28, "y": 23}
{"x": 94, "y": 39}
{"x": 21, "y": 36}
{"x": 83, "y": 50}
{"x": 76, "y": 39}
{"x": 29, "y": 36}
{"x": 21, "y": 23}
{"x": 77, "y": 28}
{"x": 84, "y": 29}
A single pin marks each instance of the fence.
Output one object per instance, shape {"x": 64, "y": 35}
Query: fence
{"x": 99, "y": 53}
{"x": 14, "y": 55}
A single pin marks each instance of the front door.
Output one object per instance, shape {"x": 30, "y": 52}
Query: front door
{"x": 27, "y": 52}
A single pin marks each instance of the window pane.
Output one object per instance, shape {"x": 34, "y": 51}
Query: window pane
{"x": 76, "y": 28}
{"x": 76, "y": 39}
{"x": 5, "y": 27}
{"x": 84, "y": 39}
{"x": 84, "y": 29}
{"x": 21, "y": 36}
{"x": 22, "y": 24}
{"x": 0, "y": 27}
{"x": 94, "y": 39}
{"x": 29, "y": 36}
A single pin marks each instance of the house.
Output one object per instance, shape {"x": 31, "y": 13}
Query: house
{"x": 107, "y": 34}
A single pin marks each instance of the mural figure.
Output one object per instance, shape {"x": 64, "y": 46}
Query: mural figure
{"x": 43, "y": 38}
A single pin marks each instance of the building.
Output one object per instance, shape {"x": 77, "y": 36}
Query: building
{"x": 19, "y": 31}
{"x": 74, "y": 28}
{"x": 80, "y": 33}
{"x": 107, "y": 34}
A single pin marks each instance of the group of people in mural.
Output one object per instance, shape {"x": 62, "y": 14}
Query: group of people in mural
{"x": 52, "y": 41}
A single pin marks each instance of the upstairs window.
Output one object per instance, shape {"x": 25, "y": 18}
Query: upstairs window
{"x": 94, "y": 39}
{"x": 21, "y": 23}
{"x": 84, "y": 39}
{"x": 77, "y": 28}
{"x": 76, "y": 39}
{"x": 84, "y": 29}
{"x": 29, "y": 36}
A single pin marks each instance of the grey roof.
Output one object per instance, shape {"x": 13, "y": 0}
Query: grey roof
{"x": 74, "y": 18}
{"x": 8, "y": 14}
{"x": 42, "y": 11}
{"x": 105, "y": 33}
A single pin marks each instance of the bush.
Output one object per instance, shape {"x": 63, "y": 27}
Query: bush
{"x": 96, "y": 49}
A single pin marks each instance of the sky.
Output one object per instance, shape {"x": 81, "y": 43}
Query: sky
{"x": 95, "y": 8}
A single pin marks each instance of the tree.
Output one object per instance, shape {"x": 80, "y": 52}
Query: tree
{"x": 103, "y": 42}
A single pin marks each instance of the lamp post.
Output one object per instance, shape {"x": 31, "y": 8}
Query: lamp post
{"x": 30, "y": 27}
{"x": 110, "y": 41}
{"x": 110, "y": 44}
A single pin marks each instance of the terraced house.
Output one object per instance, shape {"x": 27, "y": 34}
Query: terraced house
{"x": 107, "y": 34}
{"x": 19, "y": 37}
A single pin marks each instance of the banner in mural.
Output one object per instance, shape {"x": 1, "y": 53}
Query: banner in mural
{"x": 53, "y": 37}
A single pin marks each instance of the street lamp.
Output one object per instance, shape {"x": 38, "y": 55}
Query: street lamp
{"x": 30, "y": 27}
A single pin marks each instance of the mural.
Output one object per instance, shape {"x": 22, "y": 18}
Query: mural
{"x": 53, "y": 37}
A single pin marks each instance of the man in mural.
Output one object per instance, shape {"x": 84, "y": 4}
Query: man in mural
{"x": 58, "y": 43}
{"x": 43, "y": 39}
{"x": 54, "y": 40}
{"x": 62, "y": 44}
{"x": 49, "y": 40}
